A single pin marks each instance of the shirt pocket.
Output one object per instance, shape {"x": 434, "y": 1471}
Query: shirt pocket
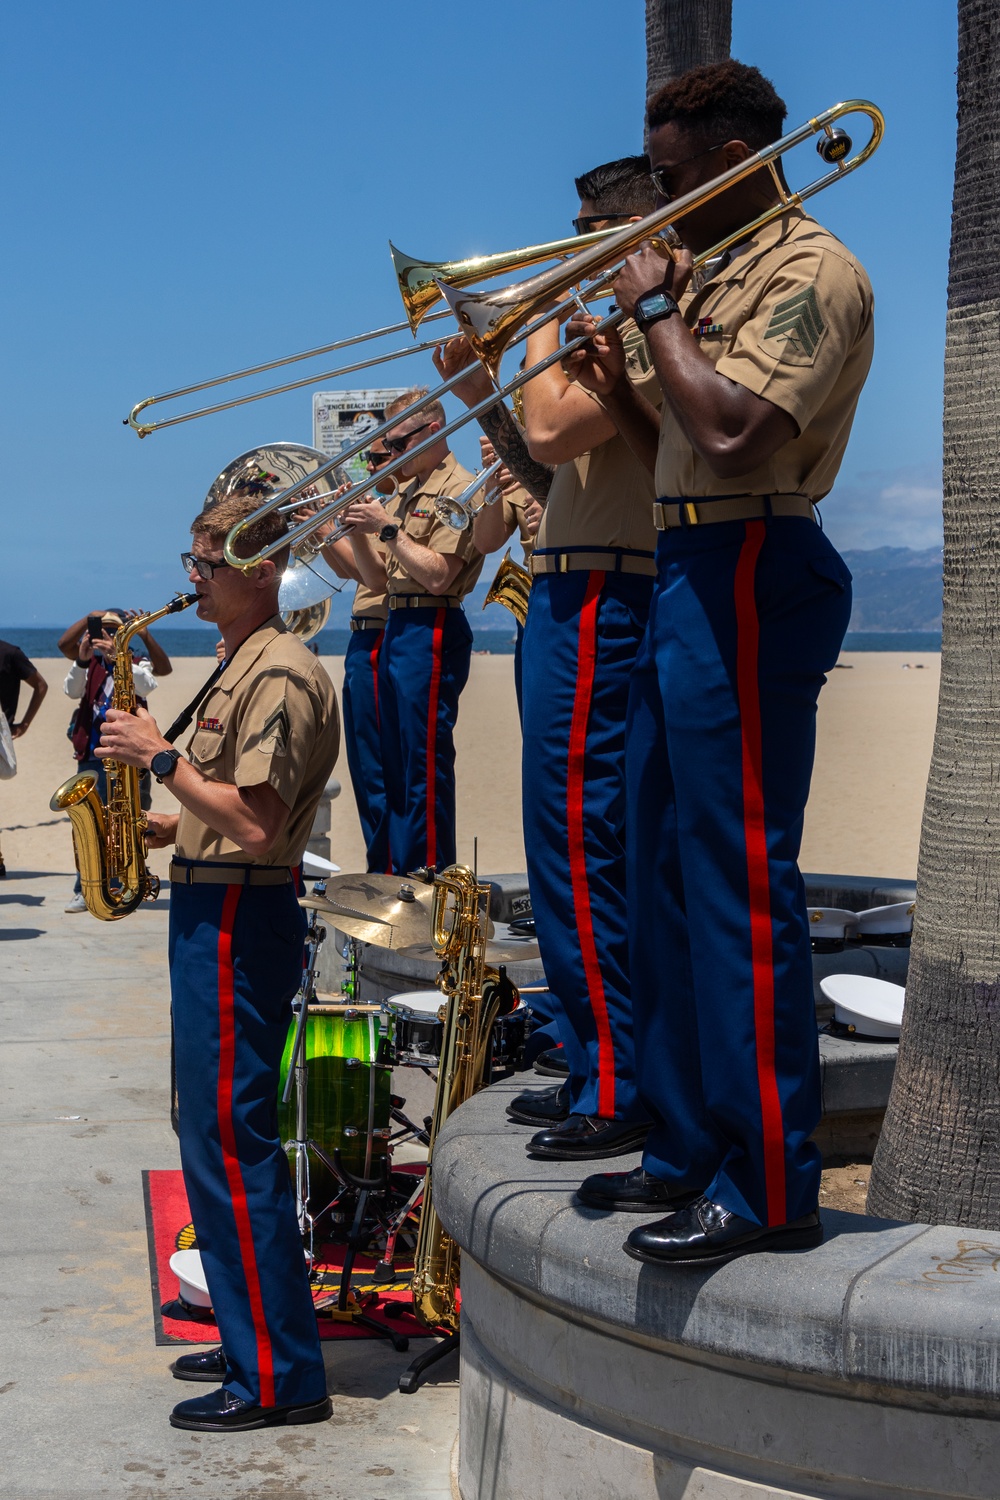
{"x": 206, "y": 747}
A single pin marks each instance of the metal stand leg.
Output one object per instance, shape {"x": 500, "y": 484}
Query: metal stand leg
{"x": 412, "y": 1377}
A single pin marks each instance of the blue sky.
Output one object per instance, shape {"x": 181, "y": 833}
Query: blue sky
{"x": 194, "y": 187}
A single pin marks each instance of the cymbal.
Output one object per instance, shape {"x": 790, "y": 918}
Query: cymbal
{"x": 387, "y": 910}
{"x": 505, "y": 951}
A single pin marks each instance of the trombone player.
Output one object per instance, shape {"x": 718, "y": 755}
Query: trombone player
{"x": 748, "y": 613}
{"x": 593, "y": 567}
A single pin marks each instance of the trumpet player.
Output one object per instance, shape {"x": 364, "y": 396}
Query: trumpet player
{"x": 761, "y": 362}
{"x": 361, "y": 691}
{"x": 592, "y": 569}
{"x": 425, "y": 568}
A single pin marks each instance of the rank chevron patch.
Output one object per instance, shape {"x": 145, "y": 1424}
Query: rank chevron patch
{"x": 799, "y": 323}
{"x": 274, "y": 735}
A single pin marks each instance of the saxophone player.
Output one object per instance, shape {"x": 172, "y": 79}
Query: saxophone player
{"x": 266, "y": 739}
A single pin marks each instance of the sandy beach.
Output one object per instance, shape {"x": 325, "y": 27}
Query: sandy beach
{"x": 875, "y": 732}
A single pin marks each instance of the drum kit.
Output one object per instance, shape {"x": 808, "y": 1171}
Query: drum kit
{"x": 339, "y": 1120}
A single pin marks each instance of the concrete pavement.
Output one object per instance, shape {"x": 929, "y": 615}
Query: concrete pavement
{"x": 84, "y": 1390}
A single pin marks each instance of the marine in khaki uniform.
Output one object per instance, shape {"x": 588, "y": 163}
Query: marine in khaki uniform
{"x": 264, "y": 744}
{"x": 761, "y": 361}
{"x": 514, "y": 512}
{"x": 593, "y": 568}
{"x": 426, "y": 568}
{"x": 360, "y": 696}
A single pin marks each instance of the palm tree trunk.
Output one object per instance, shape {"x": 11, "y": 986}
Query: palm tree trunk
{"x": 681, "y": 34}
{"x": 938, "y": 1160}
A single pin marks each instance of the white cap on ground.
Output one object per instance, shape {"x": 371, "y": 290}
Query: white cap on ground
{"x": 898, "y": 917}
{"x": 186, "y": 1266}
{"x": 831, "y": 922}
{"x": 871, "y": 1007}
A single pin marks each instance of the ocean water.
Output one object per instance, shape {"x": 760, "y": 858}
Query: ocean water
{"x": 40, "y": 641}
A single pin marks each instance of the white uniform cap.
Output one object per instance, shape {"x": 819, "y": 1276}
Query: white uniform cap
{"x": 887, "y": 919}
{"x": 186, "y": 1266}
{"x": 831, "y": 922}
{"x": 871, "y": 1007}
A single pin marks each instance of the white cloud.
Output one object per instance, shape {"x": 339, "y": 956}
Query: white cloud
{"x": 885, "y": 508}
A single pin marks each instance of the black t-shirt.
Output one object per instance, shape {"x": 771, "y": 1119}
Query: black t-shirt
{"x": 15, "y": 668}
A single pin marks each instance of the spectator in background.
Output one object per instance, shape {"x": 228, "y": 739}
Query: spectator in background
{"x": 15, "y": 668}
{"x": 70, "y": 640}
{"x": 91, "y": 680}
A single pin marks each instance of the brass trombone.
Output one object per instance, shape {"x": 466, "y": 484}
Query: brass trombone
{"x": 489, "y": 320}
{"x": 419, "y": 289}
{"x": 493, "y": 322}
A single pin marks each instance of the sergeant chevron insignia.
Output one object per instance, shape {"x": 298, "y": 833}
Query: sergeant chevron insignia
{"x": 274, "y": 735}
{"x": 798, "y": 322}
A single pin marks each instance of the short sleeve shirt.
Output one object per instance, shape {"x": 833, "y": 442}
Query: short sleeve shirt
{"x": 15, "y": 668}
{"x": 271, "y": 717}
{"x": 420, "y": 521}
{"x": 605, "y": 497}
{"x": 513, "y": 518}
{"x": 788, "y": 315}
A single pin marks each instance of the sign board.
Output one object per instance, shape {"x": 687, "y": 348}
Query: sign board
{"x": 342, "y": 418}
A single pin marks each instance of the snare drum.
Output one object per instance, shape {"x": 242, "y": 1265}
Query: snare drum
{"x": 348, "y": 1060}
{"x": 419, "y": 1033}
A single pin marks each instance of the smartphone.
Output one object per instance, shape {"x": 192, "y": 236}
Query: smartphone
{"x": 95, "y": 627}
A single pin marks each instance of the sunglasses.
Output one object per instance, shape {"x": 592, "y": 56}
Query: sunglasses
{"x": 375, "y": 460}
{"x": 201, "y": 565}
{"x": 660, "y": 175}
{"x": 400, "y": 444}
{"x": 585, "y": 224}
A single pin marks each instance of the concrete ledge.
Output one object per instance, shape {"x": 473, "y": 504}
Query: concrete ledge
{"x": 866, "y": 1367}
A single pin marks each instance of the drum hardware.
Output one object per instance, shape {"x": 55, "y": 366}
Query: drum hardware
{"x": 379, "y": 909}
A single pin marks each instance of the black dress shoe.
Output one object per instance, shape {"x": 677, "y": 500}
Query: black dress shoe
{"x": 634, "y": 1192}
{"x": 224, "y": 1412}
{"x": 209, "y": 1365}
{"x": 552, "y": 1064}
{"x": 587, "y": 1137}
{"x": 706, "y": 1234}
{"x": 540, "y": 1106}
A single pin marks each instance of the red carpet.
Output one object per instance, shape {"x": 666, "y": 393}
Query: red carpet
{"x": 169, "y": 1228}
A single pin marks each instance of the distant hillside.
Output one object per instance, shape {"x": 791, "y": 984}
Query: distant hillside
{"x": 896, "y": 588}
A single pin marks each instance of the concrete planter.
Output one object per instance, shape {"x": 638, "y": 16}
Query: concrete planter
{"x": 865, "y": 1368}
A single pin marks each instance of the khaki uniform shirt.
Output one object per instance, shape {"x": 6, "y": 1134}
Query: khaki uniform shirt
{"x": 788, "y": 316}
{"x": 419, "y": 520}
{"x": 605, "y": 497}
{"x": 272, "y": 716}
{"x": 371, "y": 604}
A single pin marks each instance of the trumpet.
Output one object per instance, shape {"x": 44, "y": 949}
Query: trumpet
{"x": 494, "y": 322}
{"x": 457, "y": 511}
{"x": 418, "y": 283}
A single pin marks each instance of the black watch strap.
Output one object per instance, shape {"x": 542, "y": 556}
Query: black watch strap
{"x": 653, "y": 308}
{"x": 389, "y": 532}
{"x": 163, "y": 763}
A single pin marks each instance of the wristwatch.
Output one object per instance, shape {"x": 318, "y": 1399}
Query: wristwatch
{"x": 163, "y": 763}
{"x": 388, "y": 533}
{"x": 653, "y": 307}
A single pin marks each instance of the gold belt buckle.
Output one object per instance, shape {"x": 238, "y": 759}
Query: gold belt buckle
{"x": 691, "y": 512}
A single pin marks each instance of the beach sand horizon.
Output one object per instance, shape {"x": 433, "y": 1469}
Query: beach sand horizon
{"x": 874, "y": 737}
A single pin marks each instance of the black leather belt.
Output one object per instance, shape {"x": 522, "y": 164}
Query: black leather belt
{"x": 359, "y": 624}
{"x": 708, "y": 511}
{"x": 422, "y": 601}
{"x": 205, "y": 872}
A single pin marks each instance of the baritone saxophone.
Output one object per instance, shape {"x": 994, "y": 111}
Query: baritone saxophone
{"x": 474, "y": 997}
{"x": 108, "y": 839}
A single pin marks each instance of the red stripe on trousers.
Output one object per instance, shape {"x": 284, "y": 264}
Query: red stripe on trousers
{"x": 758, "y": 876}
{"x": 437, "y": 646}
{"x": 227, "y": 1136}
{"x": 586, "y": 662}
